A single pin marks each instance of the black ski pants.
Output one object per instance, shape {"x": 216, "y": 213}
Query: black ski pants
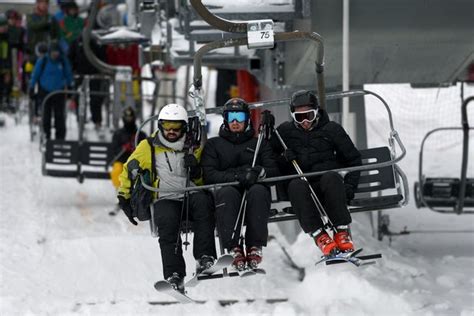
{"x": 228, "y": 201}
{"x": 97, "y": 96}
{"x": 55, "y": 105}
{"x": 330, "y": 190}
{"x": 167, "y": 215}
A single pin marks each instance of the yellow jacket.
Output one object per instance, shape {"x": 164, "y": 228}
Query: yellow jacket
{"x": 141, "y": 160}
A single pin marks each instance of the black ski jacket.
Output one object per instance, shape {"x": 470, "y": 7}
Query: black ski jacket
{"x": 121, "y": 137}
{"x": 326, "y": 146}
{"x": 229, "y": 154}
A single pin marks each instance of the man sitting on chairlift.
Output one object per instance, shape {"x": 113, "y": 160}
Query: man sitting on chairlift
{"x": 318, "y": 144}
{"x": 229, "y": 158}
{"x": 172, "y": 162}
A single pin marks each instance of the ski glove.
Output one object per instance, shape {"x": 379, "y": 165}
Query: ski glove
{"x": 127, "y": 209}
{"x": 289, "y": 155}
{"x": 349, "y": 192}
{"x": 191, "y": 162}
{"x": 250, "y": 176}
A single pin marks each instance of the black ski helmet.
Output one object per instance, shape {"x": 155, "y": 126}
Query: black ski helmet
{"x": 236, "y": 105}
{"x": 302, "y": 98}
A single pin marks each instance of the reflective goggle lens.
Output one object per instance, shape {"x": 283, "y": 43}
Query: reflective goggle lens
{"x": 236, "y": 116}
{"x": 300, "y": 117}
{"x": 172, "y": 125}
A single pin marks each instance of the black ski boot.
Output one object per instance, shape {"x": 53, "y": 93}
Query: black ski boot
{"x": 177, "y": 282}
{"x": 205, "y": 262}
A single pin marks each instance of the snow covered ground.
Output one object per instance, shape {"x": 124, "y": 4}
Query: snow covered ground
{"x": 61, "y": 253}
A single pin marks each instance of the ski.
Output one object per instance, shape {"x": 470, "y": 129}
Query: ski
{"x": 221, "y": 263}
{"x": 166, "y": 288}
{"x": 351, "y": 257}
{"x": 251, "y": 271}
{"x": 226, "y": 302}
{"x": 361, "y": 259}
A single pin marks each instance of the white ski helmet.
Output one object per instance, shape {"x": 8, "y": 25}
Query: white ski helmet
{"x": 173, "y": 112}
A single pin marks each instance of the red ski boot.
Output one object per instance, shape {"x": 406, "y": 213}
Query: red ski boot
{"x": 254, "y": 256}
{"x": 344, "y": 241}
{"x": 326, "y": 244}
{"x": 239, "y": 258}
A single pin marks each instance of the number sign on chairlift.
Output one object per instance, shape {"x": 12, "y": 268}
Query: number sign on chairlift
{"x": 260, "y": 34}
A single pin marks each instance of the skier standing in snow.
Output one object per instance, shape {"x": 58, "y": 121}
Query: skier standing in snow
{"x": 165, "y": 156}
{"x": 52, "y": 73}
{"x": 318, "y": 144}
{"x": 228, "y": 158}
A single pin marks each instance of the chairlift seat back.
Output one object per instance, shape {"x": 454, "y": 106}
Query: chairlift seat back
{"x": 444, "y": 192}
{"x": 371, "y": 181}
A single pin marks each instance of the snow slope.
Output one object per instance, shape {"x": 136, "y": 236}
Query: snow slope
{"x": 62, "y": 254}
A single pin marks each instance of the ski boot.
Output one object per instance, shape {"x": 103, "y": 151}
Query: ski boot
{"x": 254, "y": 256}
{"x": 177, "y": 282}
{"x": 205, "y": 262}
{"x": 239, "y": 258}
{"x": 343, "y": 239}
{"x": 325, "y": 243}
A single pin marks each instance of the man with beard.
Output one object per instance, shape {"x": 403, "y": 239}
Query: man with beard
{"x": 167, "y": 157}
{"x": 229, "y": 158}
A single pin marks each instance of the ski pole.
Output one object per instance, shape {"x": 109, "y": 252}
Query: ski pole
{"x": 322, "y": 212}
{"x": 115, "y": 158}
{"x": 243, "y": 203}
{"x": 195, "y": 138}
{"x": 184, "y": 206}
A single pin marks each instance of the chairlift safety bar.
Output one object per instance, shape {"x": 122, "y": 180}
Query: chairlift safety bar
{"x": 393, "y": 136}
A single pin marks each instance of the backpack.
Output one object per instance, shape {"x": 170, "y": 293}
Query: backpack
{"x": 43, "y": 65}
{"x": 141, "y": 198}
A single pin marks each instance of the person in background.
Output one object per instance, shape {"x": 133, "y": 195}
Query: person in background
{"x": 40, "y": 27}
{"x": 318, "y": 144}
{"x": 52, "y": 72}
{"x": 70, "y": 26}
{"x": 16, "y": 37}
{"x": 82, "y": 66}
{"x": 16, "y": 33}
{"x": 5, "y": 64}
{"x": 123, "y": 144}
{"x": 168, "y": 157}
{"x": 228, "y": 157}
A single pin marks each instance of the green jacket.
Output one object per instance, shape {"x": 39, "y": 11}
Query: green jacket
{"x": 71, "y": 28}
{"x": 40, "y": 28}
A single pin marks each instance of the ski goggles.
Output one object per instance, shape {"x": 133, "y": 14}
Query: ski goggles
{"x": 308, "y": 116}
{"x": 240, "y": 117}
{"x": 176, "y": 126}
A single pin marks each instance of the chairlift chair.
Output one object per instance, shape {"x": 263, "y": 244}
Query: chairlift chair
{"x": 447, "y": 195}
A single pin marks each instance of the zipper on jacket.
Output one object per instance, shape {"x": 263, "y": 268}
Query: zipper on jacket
{"x": 168, "y": 161}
